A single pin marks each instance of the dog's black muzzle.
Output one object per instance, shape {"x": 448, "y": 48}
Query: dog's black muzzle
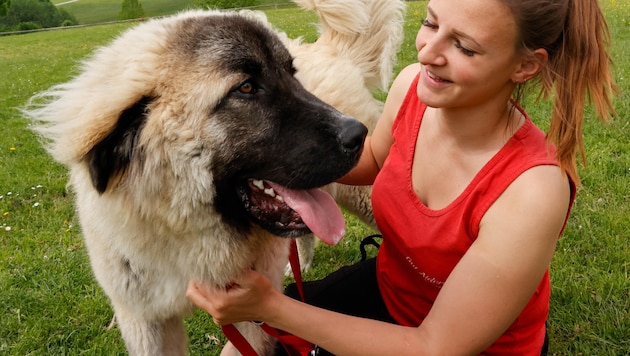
{"x": 352, "y": 136}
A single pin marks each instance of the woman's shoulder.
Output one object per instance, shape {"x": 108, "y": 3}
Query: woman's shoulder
{"x": 536, "y": 175}
{"x": 541, "y": 198}
{"x": 403, "y": 81}
{"x": 382, "y": 139}
{"x": 399, "y": 90}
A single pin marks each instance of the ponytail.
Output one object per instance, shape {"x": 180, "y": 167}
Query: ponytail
{"x": 576, "y": 37}
{"x": 578, "y": 72}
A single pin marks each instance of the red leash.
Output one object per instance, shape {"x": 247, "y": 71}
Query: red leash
{"x": 294, "y": 260}
{"x": 238, "y": 340}
{"x": 291, "y": 343}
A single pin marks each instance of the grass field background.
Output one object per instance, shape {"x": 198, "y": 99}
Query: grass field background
{"x": 51, "y": 305}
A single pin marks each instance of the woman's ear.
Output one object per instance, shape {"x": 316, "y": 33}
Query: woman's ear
{"x": 530, "y": 66}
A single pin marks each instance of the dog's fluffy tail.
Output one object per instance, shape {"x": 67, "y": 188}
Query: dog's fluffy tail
{"x": 367, "y": 31}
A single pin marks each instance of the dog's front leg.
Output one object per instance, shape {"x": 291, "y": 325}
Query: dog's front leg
{"x": 152, "y": 338}
{"x": 262, "y": 343}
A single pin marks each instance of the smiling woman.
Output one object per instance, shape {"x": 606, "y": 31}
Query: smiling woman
{"x": 470, "y": 196}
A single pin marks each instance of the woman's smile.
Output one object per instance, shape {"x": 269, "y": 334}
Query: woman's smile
{"x": 433, "y": 79}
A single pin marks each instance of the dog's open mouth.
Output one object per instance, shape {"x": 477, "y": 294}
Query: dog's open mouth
{"x": 289, "y": 212}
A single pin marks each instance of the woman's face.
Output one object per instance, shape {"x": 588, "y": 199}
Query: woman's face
{"x": 468, "y": 53}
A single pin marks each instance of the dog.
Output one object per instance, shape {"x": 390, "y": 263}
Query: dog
{"x": 195, "y": 153}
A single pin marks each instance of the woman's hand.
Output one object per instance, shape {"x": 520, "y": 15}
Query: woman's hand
{"x": 248, "y": 298}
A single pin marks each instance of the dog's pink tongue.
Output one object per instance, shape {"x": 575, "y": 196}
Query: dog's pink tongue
{"x": 318, "y": 210}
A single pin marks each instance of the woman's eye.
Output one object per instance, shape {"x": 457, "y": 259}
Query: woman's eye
{"x": 464, "y": 50}
{"x": 429, "y": 24}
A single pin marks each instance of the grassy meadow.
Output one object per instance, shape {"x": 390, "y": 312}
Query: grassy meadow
{"x": 51, "y": 305}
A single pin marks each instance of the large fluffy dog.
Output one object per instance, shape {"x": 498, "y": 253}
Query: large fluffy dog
{"x": 192, "y": 148}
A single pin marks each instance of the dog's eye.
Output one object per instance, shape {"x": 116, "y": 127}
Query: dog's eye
{"x": 246, "y": 88}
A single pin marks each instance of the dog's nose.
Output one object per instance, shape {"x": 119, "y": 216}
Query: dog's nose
{"x": 352, "y": 135}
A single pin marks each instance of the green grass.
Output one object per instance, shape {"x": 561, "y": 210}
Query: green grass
{"x": 51, "y": 305}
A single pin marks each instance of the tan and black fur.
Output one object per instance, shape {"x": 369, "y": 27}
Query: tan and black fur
{"x": 162, "y": 132}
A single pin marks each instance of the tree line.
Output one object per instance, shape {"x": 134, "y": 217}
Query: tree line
{"x": 16, "y": 15}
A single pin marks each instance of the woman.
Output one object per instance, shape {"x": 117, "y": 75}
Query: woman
{"x": 469, "y": 194}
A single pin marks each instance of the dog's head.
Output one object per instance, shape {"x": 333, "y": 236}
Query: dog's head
{"x": 202, "y": 111}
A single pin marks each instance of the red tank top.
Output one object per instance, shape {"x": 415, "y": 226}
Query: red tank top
{"x": 421, "y": 246}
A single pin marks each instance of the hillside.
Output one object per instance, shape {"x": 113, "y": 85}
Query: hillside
{"x": 97, "y": 11}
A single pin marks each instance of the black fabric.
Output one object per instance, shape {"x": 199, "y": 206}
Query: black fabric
{"x": 351, "y": 290}
{"x": 545, "y": 348}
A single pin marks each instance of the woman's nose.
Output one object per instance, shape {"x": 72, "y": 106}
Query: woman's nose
{"x": 430, "y": 49}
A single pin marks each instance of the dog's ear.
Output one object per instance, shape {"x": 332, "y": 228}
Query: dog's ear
{"x": 111, "y": 157}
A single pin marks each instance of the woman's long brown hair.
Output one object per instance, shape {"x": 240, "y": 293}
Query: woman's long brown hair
{"x": 576, "y": 37}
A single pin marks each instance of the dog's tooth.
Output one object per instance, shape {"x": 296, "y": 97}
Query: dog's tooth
{"x": 280, "y": 198}
{"x": 259, "y": 184}
{"x": 270, "y": 192}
